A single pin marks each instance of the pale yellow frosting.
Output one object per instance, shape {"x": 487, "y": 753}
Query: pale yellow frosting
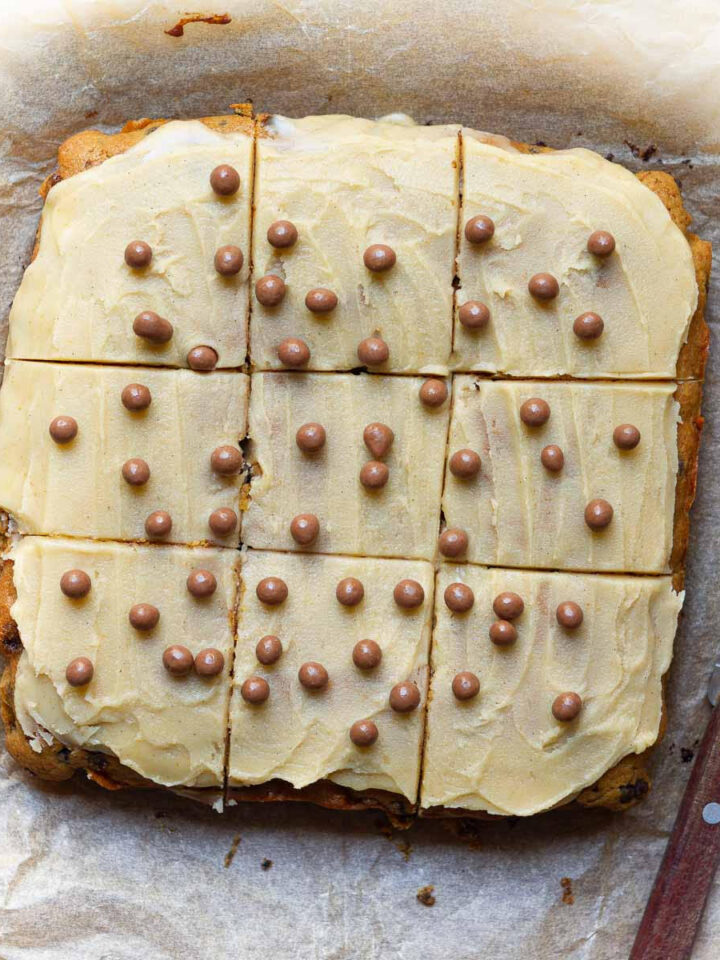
{"x": 78, "y": 298}
{"x": 545, "y": 206}
{"x": 348, "y": 183}
{"x": 168, "y": 729}
{"x": 517, "y": 513}
{"x": 78, "y": 488}
{"x": 503, "y": 751}
{"x": 300, "y": 736}
{"x": 401, "y": 519}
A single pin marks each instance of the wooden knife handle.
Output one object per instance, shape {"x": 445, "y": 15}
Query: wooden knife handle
{"x": 673, "y": 912}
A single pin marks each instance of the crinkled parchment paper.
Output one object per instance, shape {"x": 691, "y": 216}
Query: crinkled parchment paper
{"x": 88, "y": 874}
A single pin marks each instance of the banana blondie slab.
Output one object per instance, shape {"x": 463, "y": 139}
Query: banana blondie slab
{"x": 419, "y": 357}
{"x": 126, "y": 650}
{"x": 175, "y": 291}
{"x": 153, "y": 453}
{"x": 541, "y": 682}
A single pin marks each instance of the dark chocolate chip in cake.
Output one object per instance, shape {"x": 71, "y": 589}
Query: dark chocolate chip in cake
{"x": 598, "y": 514}
{"x": 143, "y": 616}
{"x": 601, "y": 243}
{"x": 569, "y": 614}
{"x": 75, "y": 584}
{"x": 453, "y": 542}
{"x": 465, "y": 685}
{"x": 225, "y": 180}
{"x": 270, "y": 290}
{"x": 201, "y": 583}
{"x": 459, "y": 597}
{"x": 474, "y": 315}
{"x": 404, "y": 697}
{"x": 465, "y": 464}
{"x": 136, "y": 472}
{"x": 378, "y": 439}
{"x": 136, "y": 396}
{"x": 479, "y": 230}
{"x": 209, "y": 662}
{"x": 566, "y": 706}
{"x": 543, "y": 286}
{"x": 552, "y": 458}
{"x": 433, "y": 393}
{"x": 293, "y": 352}
{"x": 508, "y": 605}
{"x": 138, "y": 254}
{"x": 311, "y": 437}
{"x": 158, "y": 524}
{"x": 366, "y": 654}
{"x": 535, "y": 412}
{"x": 202, "y": 358}
{"x": 268, "y": 649}
{"x": 223, "y": 521}
{"x": 255, "y": 690}
{"x": 626, "y": 436}
{"x": 282, "y": 233}
{"x": 79, "y": 672}
{"x": 226, "y": 460}
{"x": 178, "y": 660}
{"x": 152, "y": 327}
{"x": 349, "y": 592}
{"x": 228, "y": 260}
{"x": 374, "y": 475}
{"x": 321, "y": 300}
{"x": 272, "y": 590}
{"x": 408, "y": 594}
{"x": 305, "y": 528}
{"x": 63, "y": 429}
{"x": 379, "y": 257}
{"x": 502, "y": 633}
{"x": 373, "y": 351}
{"x": 313, "y": 675}
{"x": 588, "y": 326}
{"x": 363, "y": 733}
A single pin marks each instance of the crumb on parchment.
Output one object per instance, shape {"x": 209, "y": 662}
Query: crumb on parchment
{"x": 230, "y": 855}
{"x": 400, "y": 843}
{"x": 425, "y": 895}
{"x": 212, "y": 18}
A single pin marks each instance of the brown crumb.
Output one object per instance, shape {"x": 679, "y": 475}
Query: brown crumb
{"x": 230, "y": 855}
{"x": 642, "y": 153}
{"x": 467, "y": 830}
{"x": 404, "y": 846}
{"x": 425, "y": 895}
{"x": 568, "y": 898}
{"x": 266, "y": 864}
{"x": 179, "y": 29}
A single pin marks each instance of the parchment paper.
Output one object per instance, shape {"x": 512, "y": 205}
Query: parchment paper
{"x": 88, "y": 874}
